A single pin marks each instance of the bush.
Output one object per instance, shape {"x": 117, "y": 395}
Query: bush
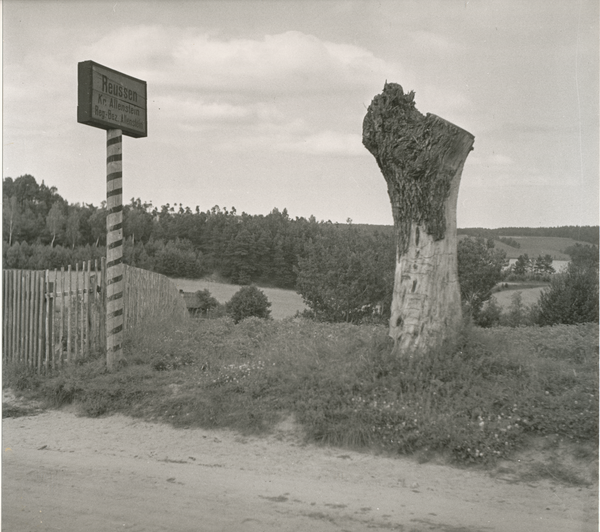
{"x": 572, "y": 297}
{"x": 518, "y": 315}
{"x": 347, "y": 275}
{"x": 479, "y": 269}
{"x": 490, "y": 315}
{"x": 206, "y": 302}
{"x": 246, "y": 302}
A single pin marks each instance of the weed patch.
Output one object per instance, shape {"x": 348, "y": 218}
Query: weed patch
{"x": 474, "y": 404}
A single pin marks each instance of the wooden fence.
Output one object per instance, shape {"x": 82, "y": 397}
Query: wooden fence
{"x": 54, "y": 317}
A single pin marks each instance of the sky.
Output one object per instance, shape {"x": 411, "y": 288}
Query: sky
{"x": 259, "y": 104}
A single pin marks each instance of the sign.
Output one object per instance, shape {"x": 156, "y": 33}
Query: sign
{"x": 111, "y": 100}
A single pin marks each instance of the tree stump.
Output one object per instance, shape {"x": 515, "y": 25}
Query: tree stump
{"x": 421, "y": 158}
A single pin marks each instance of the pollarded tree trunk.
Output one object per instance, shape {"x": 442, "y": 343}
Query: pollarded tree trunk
{"x": 421, "y": 158}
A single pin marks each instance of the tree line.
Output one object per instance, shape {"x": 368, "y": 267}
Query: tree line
{"x": 344, "y": 272}
{"x": 582, "y": 233}
{"x": 43, "y": 230}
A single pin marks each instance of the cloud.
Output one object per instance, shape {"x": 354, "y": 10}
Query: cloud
{"x": 290, "y": 62}
{"x": 491, "y": 160}
{"x": 434, "y": 42}
{"x": 279, "y": 92}
{"x": 34, "y": 96}
{"x": 325, "y": 143}
{"x": 294, "y": 137}
{"x": 263, "y": 92}
{"x": 193, "y": 109}
{"x": 499, "y": 159}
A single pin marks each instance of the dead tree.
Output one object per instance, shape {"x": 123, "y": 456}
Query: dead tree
{"x": 421, "y": 158}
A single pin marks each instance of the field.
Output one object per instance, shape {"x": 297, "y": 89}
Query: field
{"x": 529, "y": 296}
{"x": 539, "y": 245}
{"x": 284, "y": 303}
{"x": 530, "y": 245}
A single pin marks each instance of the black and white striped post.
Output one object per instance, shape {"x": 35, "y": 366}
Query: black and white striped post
{"x": 110, "y": 100}
{"x": 114, "y": 247}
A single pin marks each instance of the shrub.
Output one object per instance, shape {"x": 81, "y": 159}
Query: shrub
{"x": 246, "y": 302}
{"x": 572, "y": 297}
{"x": 518, "y": 315}
{"x": 479, "y": 269}
{"x": 347, "y": 275}
{"x": 206, "y": 302}
{"x": 490, "y": 315}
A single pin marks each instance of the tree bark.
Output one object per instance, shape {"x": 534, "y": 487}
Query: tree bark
{"x": 421, "y": 158}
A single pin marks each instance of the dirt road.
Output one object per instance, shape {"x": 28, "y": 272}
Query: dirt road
{"x": 68, "y": 473}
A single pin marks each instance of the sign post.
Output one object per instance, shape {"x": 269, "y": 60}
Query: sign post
{"x": 111, "y": 100}
{"x": 114, "y": 246}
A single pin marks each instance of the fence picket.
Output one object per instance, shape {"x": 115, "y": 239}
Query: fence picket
{"x": 62, "y": 315}
{"x": 95, "y": 322}
{"x": 24, "y": 316}
{"x": 53, "y": 350}
{"x": 47, "y": 321}
{"x": 103, "y": 308}
{"x": 77, "y": 320}
{"x": 34, "y": 318}
{"x": 4, "y": 315}
{"x": 40, "y": 320}
{"x": 7, "y": 286}
{"x": 88, "y": 309}
{"x": 30, "y": 317}
{"x": 69, "y": 305}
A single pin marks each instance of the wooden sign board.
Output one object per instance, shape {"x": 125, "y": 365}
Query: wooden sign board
{"x": 108, "y": 99}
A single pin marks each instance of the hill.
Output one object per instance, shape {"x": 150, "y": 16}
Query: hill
{"x": 538, "y": 245}
{"x": 532, "y": 241}
{"x": 588, "y": 234}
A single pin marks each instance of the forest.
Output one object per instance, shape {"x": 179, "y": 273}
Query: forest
{"x": 344, "y": 272}
{"x": 41, "y": 229}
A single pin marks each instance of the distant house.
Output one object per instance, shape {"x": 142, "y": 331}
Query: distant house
{"x": 192, "y": 302}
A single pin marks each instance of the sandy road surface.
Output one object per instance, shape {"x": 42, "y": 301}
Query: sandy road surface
{"x": 63, "y": 472}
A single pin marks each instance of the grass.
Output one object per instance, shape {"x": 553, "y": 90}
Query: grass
{"x": 539, "y": 245}
{"x": 476, "y": 404}
{"x": 529, "y": 296}
{"x": 284, "y": 303}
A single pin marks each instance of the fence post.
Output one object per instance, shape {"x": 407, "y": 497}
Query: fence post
{"x": 76, "y": 321}
{"x": 69, "y": 310}
{"x": 36, "y": 320}
{"x": 53, "y": 348}
{"x": 17, "y": 314}
{"x": 103, "y": 307}
{"x": 40, "y": 319}
{"x": 88, "y": 314}
{"x": 47, "y": 299}
{"x": 31, "y": 318}
{"x": 82, "y": 308}
{"x": 62, "y": 314}
{"x": 4, "y": 314}
{"x": 7, "y": 292}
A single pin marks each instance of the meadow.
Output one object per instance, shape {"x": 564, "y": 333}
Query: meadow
{"x": 495, "y": 394}
{"x": 539, "y": 245}
{"x": 529, "y": 295}
{"x": 284, "y": 303}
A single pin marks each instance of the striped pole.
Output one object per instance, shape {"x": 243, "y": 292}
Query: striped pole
{"x": 114, "y": 247}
